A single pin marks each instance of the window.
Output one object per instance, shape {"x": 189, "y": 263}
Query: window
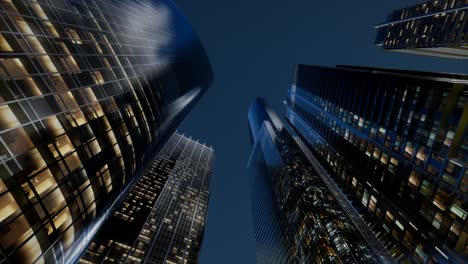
{"x": 64, "y": 145}
{"x": 408, "y": 239}
{"x": 413, "y": 180}
{"x": 9, "y": 205}
{"x": 376, "y": 153}
{"x": 458, "y": 211}
{"x": 31, "y": 161}
{"x": 389, "y": 217}
{"x": 16, "y": 233}
{"x": 40, "y": 13}
{"x": 354, "y": 182}
{"x": 421, "y": 156}
{"x": 73, "y": 161}
{"x": 449, "y": 138}
{"x": 4, "y": 46}
{"x": 372, "y": 203}
{"x": 408, "y": 154}
{"x": 365, "y": 198}
{"x": 53, "y": 126}
{"x": 426, "y": 188}
{"x": 437, "y": 220}
{"x": 54, "y": 201}
{"x": 73, "y": 35}
{"x": 419, "y": 253}
{"x": 69, "y": 62}
{"x": 44, "y": 182}
{"x": 17, "y": 140}
{"x": 384, "y": 158}
{"x": 14, "y": 67}
{"x": 31, "y": 250}
{"x": 7, "y": 118}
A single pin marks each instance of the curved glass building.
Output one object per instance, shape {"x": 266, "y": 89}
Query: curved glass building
{"x": 89, "y": 92}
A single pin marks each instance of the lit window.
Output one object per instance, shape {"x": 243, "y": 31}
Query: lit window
{"x": 354, "y": 182}
{"x": 40, "y": 13}
{"x": 17, "y": 140}
{"x": 458, "y": 211}
{"x": 98, "y": 77}
{"x": 16, "y": 233}
{"x": 372, "y": 203}
{"x": 44, "y": 182}
{"x": 73, "y": 35}
{"x": 413, "y": 179}
{"x": 389, "y": 217}
{"x": 4, "y": 46}
{"x": 7, "y": 118}
{"x": 437, "y": 220}
{"x": 14, "y": 67}
{"x": 54, "y": 127}
{"x": 9, "y": 206}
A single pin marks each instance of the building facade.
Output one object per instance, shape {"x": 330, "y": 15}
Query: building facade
{"x": 89, "y": 92}
{"x": 163, "y": 216}
{"x": 397, "y": 142}
{"x": 299, "y": 215}
{"x": 434, "y": 28}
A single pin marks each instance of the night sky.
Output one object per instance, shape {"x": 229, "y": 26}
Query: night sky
{"x": 252, "y": 45}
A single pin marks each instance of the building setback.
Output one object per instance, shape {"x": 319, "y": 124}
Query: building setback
{"x": 89, "y": 92}
{"x": 163, "y": 217}
{"x": 299, "y": 215}
{"x": 396, "y": 142}
{"x": 434, "y": 28}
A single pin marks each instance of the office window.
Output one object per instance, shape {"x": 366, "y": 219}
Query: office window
{"x": 437, "y": 220}
{"x": 413, "y": 180}
{"x": 458, "y": 211}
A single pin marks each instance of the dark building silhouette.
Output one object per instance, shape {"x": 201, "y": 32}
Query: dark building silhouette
{"x": 89, "y": 92}
{"x": 163, "y": 217}
{"x": 299, "y": 215}
{"x": 434, "y": 28}
{"x": 396, "y": 142}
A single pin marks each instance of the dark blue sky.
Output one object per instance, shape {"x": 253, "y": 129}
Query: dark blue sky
{"x": 252, "y": 45}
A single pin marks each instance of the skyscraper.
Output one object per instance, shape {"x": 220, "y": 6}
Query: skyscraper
{"x": 162, "y": 219}
{"x": 89, "y": 91}
{"x": 299, "y": 215}
{"x": 435, "y": 28}
{"x": 396, "y": 141}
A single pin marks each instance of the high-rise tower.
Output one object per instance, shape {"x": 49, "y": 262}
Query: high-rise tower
{"x": 395, "y": 141}
{"x": 163, "y": 217}
{"x": 89, "y": 91}
{"x": 434, "y": 28}
{"x": 299, "y": 215}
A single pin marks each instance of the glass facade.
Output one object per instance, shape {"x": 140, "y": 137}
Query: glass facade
{"x": 164, "y": 214}
{"x": 299, "y": 215}
{"x": 434, "y": 28}
{"x": 89, "y": 91}
{"x": 397, "y": 142}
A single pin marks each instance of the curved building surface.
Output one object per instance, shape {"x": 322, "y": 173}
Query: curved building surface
{"x": 89, "y": 91}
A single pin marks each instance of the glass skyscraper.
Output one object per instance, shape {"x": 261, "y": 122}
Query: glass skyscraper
{"x": 435, "y": 28}
{"x": 89, "y": 92}
{"x": 395, "y": 141}
{"x": 163, "y": 217}
{"x": 299, "y": 215}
